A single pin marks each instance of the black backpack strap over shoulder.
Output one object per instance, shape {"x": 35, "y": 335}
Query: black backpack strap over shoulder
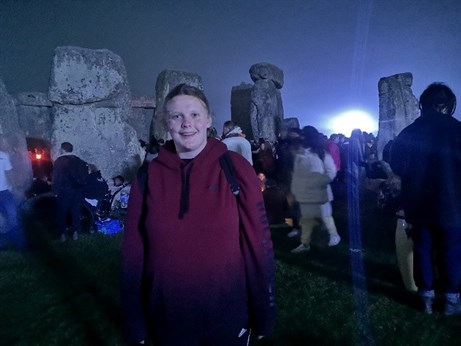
{"x": 141, "y": 177}
{"x": 228, "y": 167}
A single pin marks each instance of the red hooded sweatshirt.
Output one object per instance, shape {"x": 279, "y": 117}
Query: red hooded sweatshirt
{"x": 201, "y": 263}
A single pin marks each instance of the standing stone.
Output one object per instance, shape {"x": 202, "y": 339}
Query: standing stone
{"x": 91, "y": 105}
{"x": 14, "y": 143}
{"x": 141, "y": 116}
{"x": 398, "y": 107}
{"x": 34, "y": 114}
{"x": 291, "y": 123}
{"x": 167, "y": 80}
{"x": 240, "y": 108}
{"x": 266, "y": 109}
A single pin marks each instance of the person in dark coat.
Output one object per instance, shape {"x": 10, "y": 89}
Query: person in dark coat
{"x": 427, "y": 157}
{"x": 69, "y": 176}
{"x": 275, "y": 200}
{"x": 96, "y": 192}
{"x": 197, "y": 261}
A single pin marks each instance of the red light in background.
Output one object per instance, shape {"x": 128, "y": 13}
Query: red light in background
{"x": 38, "y": 154}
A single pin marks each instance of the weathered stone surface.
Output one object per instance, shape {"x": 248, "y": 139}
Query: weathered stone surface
{"x": 33, "y": 98}
{"x": 99, "y": 136}
{"x": 15, "y": 143}
{"x": 141, "y": 116}
{"x": 266, "y": 110}
{"x": 167, "y": 80}
{"x": 35, "y": 121}
{"x": 91, "y": 108}
{"x": 291, "y": 123}
{"x": 264, "y": 70}
{"x": 143, "y": 102}
{"x": 34, "y": 115}
{"x": 240, "y": 108}
{"x": 81, "y": 75}
{"x": 398, "y": 107}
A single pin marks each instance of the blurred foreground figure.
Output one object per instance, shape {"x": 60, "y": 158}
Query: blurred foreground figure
{"x": 313, "y": 171}
{"x": 13, "y": 234}
{"x": 427, "y": 156}
{"x": 197, "y": 261}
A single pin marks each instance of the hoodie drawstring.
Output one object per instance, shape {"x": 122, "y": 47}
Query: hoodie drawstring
{"x": 185, "y": 178}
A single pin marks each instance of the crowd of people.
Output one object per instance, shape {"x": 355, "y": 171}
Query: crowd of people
{"x": 197, "y": 238}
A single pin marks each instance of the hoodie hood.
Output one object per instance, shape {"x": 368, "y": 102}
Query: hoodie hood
{"x": 169, "y": 158}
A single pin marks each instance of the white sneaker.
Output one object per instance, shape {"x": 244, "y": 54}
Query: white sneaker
{"x": 293, "y": 233}
{"x": 334, "y": 240}
{"x": 301, "y": 249}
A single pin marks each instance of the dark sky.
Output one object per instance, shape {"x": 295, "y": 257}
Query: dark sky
{"x": 332, "y": 52}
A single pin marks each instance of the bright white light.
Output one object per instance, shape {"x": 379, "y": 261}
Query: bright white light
{"x": 354, "y": 119}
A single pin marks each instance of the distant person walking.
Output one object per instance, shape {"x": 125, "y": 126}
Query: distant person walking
{"x": 197, "y": 261}
{"x": 234, "y": 139}
{"x": 314, "y": 170}
{"x": 69, "y": 176}
{"x": 427, "y": 156}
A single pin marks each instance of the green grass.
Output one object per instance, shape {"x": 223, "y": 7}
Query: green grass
{"x": 67, "y": 294}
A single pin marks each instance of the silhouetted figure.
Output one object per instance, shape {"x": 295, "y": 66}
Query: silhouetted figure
{"x": 427, "y": 157}
{"x": 69, "y": 176}
{"x": 275, "y": 201}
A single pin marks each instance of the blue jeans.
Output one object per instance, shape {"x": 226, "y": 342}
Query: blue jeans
{"x": 445, "y": 242}
{"x": 14, "y": 235}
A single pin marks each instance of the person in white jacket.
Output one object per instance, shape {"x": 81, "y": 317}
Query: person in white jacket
{"x": 235, "y": 140}
{"x": 313, "y": 171}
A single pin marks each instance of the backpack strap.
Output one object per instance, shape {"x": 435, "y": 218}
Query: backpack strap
{"x": 228, "y": 167}
{"x": 141, "y": 177}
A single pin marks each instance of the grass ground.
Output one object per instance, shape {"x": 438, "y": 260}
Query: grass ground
{"x": 67, "y": 294}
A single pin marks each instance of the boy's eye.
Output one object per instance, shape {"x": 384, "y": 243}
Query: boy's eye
{"x": 175, "y": 116}
{"x": 195, "y": 115}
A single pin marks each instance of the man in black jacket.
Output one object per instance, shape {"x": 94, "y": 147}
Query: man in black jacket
{"x": 69, "y": 176}
{"x": 427, "y": 156}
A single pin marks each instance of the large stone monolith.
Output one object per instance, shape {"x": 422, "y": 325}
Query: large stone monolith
{"x": 398, "y": 107}
{"x": 14, "y": 144}
{"x": 91, "y": 104}
{"x": 240, "y": 108}
{"x": 167, "y": 80}
{"x": 266, "y": 109}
